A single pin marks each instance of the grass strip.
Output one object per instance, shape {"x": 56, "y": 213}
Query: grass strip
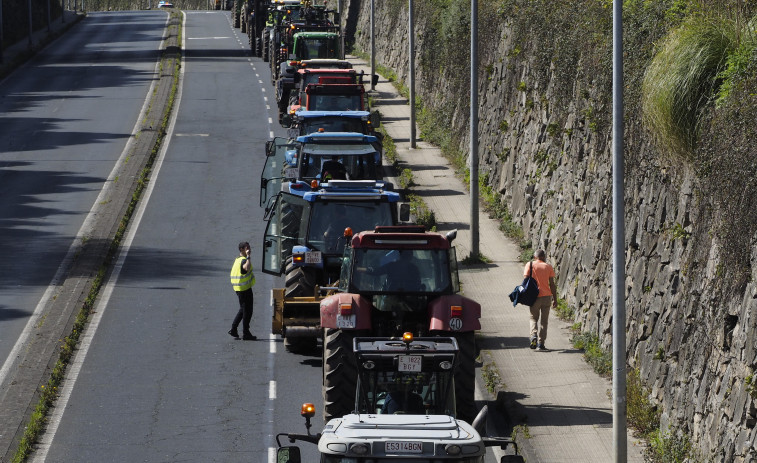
{"x": 49, "y": 392}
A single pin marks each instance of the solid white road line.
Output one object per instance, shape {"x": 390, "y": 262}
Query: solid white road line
{"x": 72, "y": 373}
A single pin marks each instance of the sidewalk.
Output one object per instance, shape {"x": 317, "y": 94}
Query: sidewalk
{"x": 556, "y": 394}
{"x": 18, "y": 53}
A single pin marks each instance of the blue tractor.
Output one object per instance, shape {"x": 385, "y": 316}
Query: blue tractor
{"x": 305, "y": 240}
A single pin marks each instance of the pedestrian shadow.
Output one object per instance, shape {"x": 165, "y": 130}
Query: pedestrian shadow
{"x": 550, "y": 415}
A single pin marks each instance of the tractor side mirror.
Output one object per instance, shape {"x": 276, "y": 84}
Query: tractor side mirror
{"x": 286, "y": 120}
{"x": 404, "y": 212}
{"x": 289, "y": 454}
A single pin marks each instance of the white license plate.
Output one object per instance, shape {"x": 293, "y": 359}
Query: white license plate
{"x": 313, "y": 257}
{"x": 409, "y": 363}
{"x": 347, "y": 321}
{"x": 403, "y": 447}
{"x": 291, "y": 173}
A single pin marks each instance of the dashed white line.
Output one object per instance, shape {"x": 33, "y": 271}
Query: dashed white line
{"x": 272, "y": 390}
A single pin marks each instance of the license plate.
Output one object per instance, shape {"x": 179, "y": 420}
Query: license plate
{"x": 403, "y": 447}
{"x": 291, "y": 173}
{"x": 313, "y": 257}
{"x": 409, "y": 363}
{"x": 346, "y": 321}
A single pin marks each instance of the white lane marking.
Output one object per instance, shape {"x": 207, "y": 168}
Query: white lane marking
{"x": 270, "y": 121}
{"x": 207, "y": 38}
{"x": 268, "y": 107}
{"x": 272, "y": 454}
{"x": 272, "y": 344}
{"x": 84, "y": 231}
{"x": 272, "y": 390}
{"x": 271, "y": 134}
{"x": 191, "y": 135}
{"x": 72, "y": 373}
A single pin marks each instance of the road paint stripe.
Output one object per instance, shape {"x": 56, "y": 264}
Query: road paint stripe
{"x": 191, "y": 135}
{"x": 72, "y": 373}
{"x": 272, "y": 454}
{"x": 272, "y": 390}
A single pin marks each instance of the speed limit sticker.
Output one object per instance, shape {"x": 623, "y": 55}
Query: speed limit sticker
{"x": 455, "y": 324}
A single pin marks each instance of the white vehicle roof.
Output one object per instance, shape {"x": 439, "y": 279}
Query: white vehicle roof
{"x": 384, "y": 432}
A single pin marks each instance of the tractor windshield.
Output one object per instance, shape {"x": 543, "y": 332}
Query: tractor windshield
{"x": 340, "y": 162}
{"x": 335, "y": 102}
{"x": 331, "y": 124}
{"x": 330, "y": 218}
{"x": 388, "y": 271}
{"x": 317, "y": 47}
{"x": 416, "y": 393}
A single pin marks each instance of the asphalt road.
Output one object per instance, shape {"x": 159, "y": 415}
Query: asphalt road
{"x": 157, "y": 378}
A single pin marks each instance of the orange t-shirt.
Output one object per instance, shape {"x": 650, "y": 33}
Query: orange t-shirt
{"x": 542, "y": 272}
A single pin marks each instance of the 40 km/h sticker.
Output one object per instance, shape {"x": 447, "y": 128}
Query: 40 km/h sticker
{"x": 455, "y": 324}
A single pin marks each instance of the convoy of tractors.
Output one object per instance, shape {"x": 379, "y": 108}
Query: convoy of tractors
{"x": 380, "y": 293}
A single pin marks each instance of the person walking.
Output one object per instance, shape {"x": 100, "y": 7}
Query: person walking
{"x": 544, "y": 274}
{"x": 242, "y": 279}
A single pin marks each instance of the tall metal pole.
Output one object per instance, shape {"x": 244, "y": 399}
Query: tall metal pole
{"x": 31, "y": 29}
{"x": 474, "y": 253}
{"x": 411, "y": 41}
{"x": 340, "y": 12}
{"x": 373, "y": 42}
{"x": 618, "y": 244}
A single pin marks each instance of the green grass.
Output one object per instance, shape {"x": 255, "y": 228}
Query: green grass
{"x": 599, "y": 359}
{"x": 683, "y": 78}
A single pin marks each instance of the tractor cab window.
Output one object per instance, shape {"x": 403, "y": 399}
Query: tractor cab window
{"x": 330, "y": 218}
{"x": 401, "y": 271}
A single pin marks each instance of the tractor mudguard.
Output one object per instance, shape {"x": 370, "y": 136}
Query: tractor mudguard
{"x": 361, "y": 310}
{"x": 454, "y": 313}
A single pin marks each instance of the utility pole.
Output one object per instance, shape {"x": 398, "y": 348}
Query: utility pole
{"x": 373, "y": 42}
{"x": 618, "y": 244}
{"x": 473, "y": 164}
{"x": 411, "y": 41}
{"x": 31, "y": 29}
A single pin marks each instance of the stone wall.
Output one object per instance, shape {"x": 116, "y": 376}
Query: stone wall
{"x": 545, "y": 145}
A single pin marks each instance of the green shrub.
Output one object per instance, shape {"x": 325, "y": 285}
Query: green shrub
{"x": 682, "y": 80}
{"x": 641, "y": 414}
{"x": 599, "y": 359}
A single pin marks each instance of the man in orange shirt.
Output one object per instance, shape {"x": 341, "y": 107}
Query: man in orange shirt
{"x": 544, "y": 275}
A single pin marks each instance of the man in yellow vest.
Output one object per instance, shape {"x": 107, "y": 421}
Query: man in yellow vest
{"x": 242, "y": 279}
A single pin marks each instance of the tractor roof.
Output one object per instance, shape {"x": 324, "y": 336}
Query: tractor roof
{"x": 305, "y": 114}
{"x": 400, "y": 237}
{"x": 341, "y": 190}
{"x": 336, "y": 137}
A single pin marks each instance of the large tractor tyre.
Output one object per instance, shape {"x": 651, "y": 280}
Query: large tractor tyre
{"x": 465, "y": 377}
{"x": 300, "y": 281}
{"x": 258, "y": 47}
{"x": 235, "y": 15}
{"x": 339, "y": 373}
{"x": 266, "y": 46}
{"x": 243, "y": 27}
{"x": 300, "y": 345}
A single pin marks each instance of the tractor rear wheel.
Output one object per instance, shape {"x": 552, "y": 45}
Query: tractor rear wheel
{"x": 258, "y": 47}
{"x": 339, "y": 373}
{"x": 300, "y": 345}
{"x": 266, "y": 46}
{"x": 465, "y": 377}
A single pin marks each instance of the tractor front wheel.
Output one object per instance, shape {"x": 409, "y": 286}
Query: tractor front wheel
{"x": 339, "y": 373}
{"x": 465, "y": 377}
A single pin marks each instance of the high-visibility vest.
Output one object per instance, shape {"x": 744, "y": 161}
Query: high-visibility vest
{"x": 239, "y": 281}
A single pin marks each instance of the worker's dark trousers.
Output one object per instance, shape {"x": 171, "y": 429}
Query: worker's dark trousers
{"x": 245, "y": 311}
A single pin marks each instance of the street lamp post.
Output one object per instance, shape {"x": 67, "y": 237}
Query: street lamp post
{"x": 474, "y": 251}
{"x": 618, "y": 244}
{"x": 411, "y": 41}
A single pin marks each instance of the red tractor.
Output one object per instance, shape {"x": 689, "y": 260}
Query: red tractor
{"x": 396, "y": 279}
